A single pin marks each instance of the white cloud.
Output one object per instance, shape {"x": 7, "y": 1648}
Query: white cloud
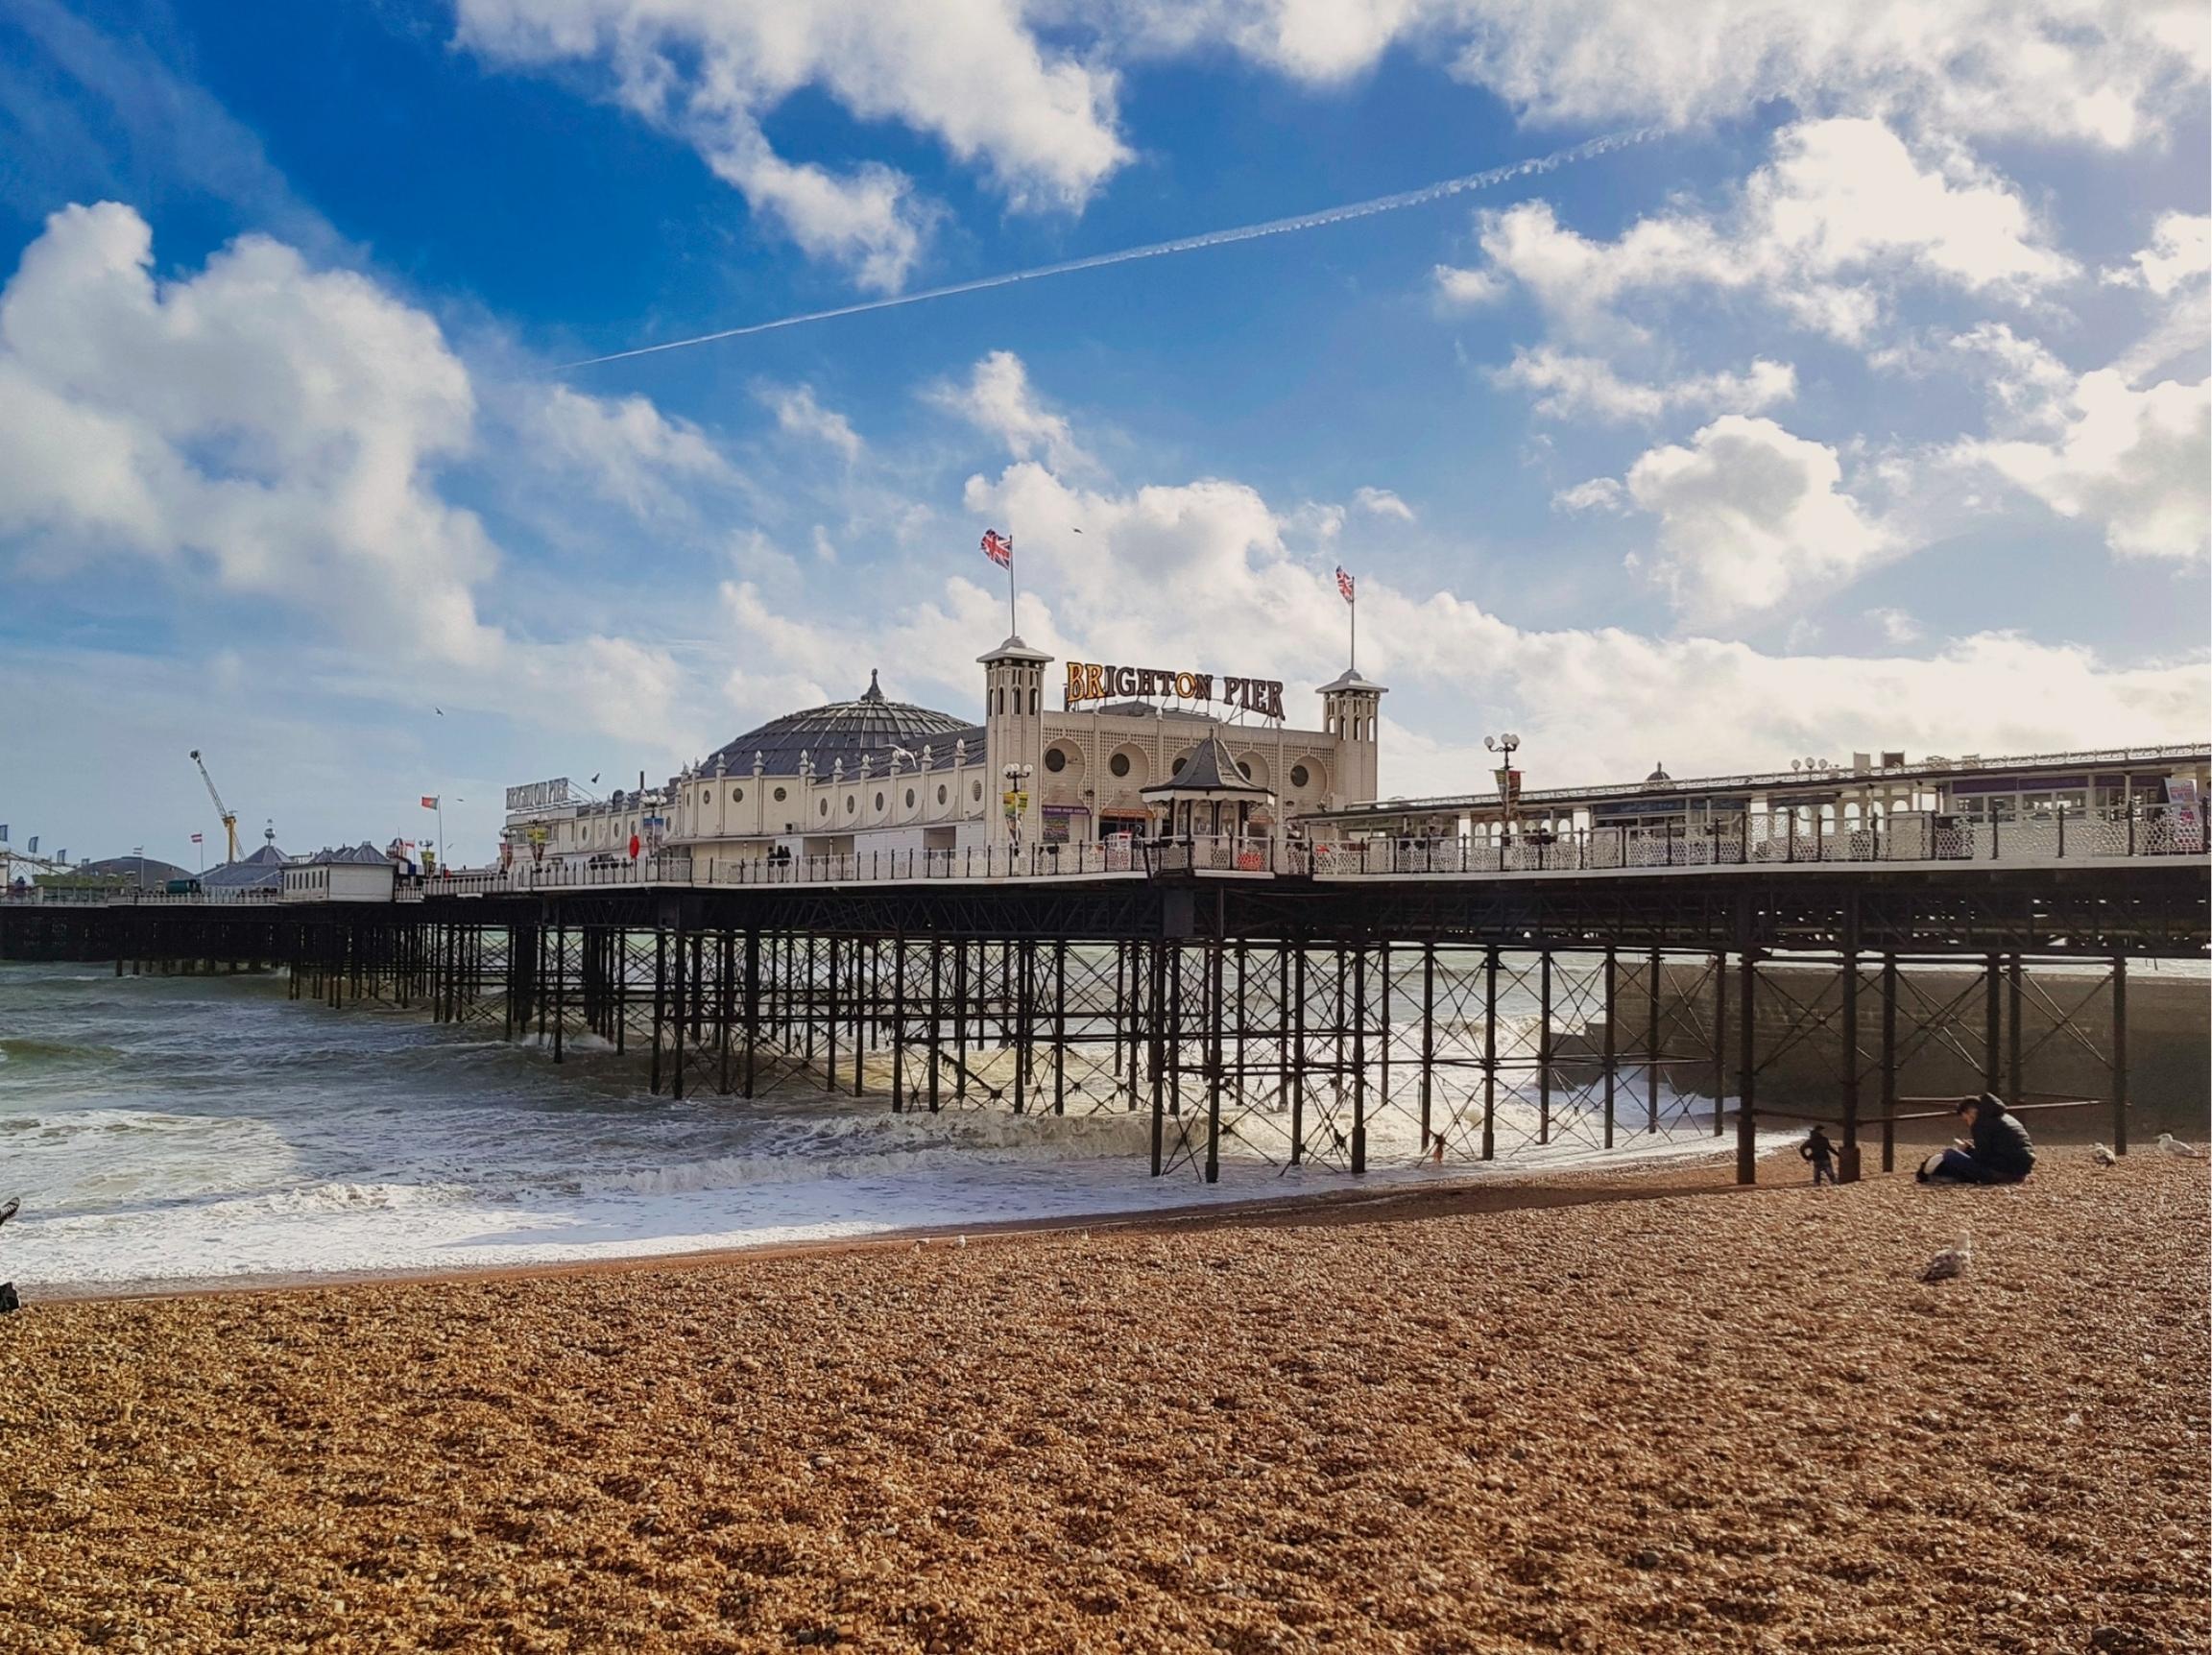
{"x": 799, "y": 413}
{"x": 1750, "y": 517}
{"x": 996, "y": 399}
{"x": 281, "y": 431}
{"x": 1597, "y": 494}
{"x": 1382, "y": 503}
{"x": 1897, "y": 627}
{"x": 1469, "y": 288}
{"x": 2104, "y": 72}
{"x": 1040, "y": 123}
{"x": 2179, "y": 253}
{"x": 624, "y": 449}
{"x": 1570, "y": 387}
{"x": 1841, "y": 214}
{"x": 2134, "y": 462}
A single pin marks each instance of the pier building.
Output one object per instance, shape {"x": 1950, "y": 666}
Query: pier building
{"x": 1064, "y": 754}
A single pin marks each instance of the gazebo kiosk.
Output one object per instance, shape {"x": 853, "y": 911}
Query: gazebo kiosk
{"x": 1210, "y": 796}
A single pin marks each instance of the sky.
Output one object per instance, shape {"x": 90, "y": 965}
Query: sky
{"x": 1855, "y": 399}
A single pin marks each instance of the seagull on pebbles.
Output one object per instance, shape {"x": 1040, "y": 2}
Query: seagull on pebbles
{"x": 2172, "y": 1145}
{"x": 2101, "y": 1154}
{"x": 1951, "y": 1262}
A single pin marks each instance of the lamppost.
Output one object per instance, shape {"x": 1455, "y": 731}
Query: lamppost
{"x": 1016, "y": 800}
{"x": 1508, "y": 777}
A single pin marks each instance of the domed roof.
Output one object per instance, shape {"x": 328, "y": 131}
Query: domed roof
{"x": 871, "y": 723}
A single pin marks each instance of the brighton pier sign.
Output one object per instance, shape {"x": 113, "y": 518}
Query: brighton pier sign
{"x": 1092, "y": 680}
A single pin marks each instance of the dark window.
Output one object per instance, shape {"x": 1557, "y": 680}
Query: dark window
{"x": 940, "y": 794}
{"x": 779, "y": 795}
{"x": 1055, "y": 760}
{"x": 909, "y": 798}
{"x": 736, "y": 795}
{"x": 1299, "y": 776}
{"x": 878, "y": 800}
{"x": 1032, "y": 701}
{"x": 1177, "y": 768}
{"x": 975, "y": 791}
{"x": 1244, "y": 768}
{"x": 1119, "y": 765}
{"x": 825, "y": 810}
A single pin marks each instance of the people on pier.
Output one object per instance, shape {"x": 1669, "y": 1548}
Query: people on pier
{"x": 1996, "y": 1150}
{"x": 1822, "y": 1154}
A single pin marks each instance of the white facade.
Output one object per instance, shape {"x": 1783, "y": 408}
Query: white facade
{"x": 338, "y": 882}
{"x": 1076, "y": 774}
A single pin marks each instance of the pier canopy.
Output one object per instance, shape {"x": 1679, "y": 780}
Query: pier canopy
{"x": 869, "y": 725}
{"x": 1209, "y": 793}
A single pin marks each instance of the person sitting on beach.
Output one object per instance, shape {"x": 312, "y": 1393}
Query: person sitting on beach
{"x": 1822, "y": 1154}
{"x": 1998, "y": 1151}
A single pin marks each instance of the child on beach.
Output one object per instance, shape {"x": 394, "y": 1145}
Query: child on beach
{"x": 1822, "y": 1154}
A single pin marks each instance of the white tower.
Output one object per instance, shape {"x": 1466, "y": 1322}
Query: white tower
{"x": 1351, "y": 711}
{"x": 1014, "y": 733}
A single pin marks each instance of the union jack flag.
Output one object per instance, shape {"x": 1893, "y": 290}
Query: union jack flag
{"x": 1344, "y": 583}
{"x": 999, "y": 548}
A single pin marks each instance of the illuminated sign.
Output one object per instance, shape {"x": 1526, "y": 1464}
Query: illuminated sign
{"x": 540, "y": 795}
{"x": 1092, "y": 680}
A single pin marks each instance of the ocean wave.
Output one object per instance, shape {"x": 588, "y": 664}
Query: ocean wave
{"x": 29, "y": 1049}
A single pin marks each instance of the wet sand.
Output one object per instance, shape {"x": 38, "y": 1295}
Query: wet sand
{"x": 1623, "y": 1414}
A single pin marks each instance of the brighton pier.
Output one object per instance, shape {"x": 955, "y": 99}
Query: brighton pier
{"x": 1316, "y": 1000}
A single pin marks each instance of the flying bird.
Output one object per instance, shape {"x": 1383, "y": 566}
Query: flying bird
{"x": 2172, "y": 1145}
{"x": 2101, "y": 1154}
{"x": 1951, "y": 1262}
{"x": 438, "y": 711}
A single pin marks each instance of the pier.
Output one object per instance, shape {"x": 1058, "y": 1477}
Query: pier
{"x": 1325, "y": 1007}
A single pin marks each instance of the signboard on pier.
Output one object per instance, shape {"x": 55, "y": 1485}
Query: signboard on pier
{"x": 552, "y": 795}
{"x": 1096, "y": 681}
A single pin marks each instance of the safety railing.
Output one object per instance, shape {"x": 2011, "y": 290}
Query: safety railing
{"x": 1785, "y": 839}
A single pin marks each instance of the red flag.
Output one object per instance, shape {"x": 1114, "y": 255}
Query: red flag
{"x": 999, "y": 548}
{"x": 429, "y": 800}
{"x": 195, "y": 839}
{"x": 635, "y": 847}
{"x": 1344, "y": 583}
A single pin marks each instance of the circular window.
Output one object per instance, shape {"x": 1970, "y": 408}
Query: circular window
{"x": 781, "y": 796}
{"x": 909, "y": 798}
{"x": 1177, "y": 768}
{"x": 851, "y": 804}
{"x": 1119, "y": 765}
{"x": 706, "y": 795}
{"x": 940, "y": 794}
{"x": 878, "y": 800}
{"x": 1245, "y": 770}
{"x": 1055, "y": 760}
{"x": 1299, "y": 776}
{"x": 736, "y": 795}
{"x": 975, "y": 791}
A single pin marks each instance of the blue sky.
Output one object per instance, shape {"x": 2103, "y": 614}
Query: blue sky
{"x": 1861, "y": 403}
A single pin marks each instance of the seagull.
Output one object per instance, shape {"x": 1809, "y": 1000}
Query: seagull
{"x": 438, "y": 711}
{"x": 2101, "y": 1154}
{"x": 1951, "y": 1262}
{"x": 2172, "y": 1145}
{"x": 594, "y": 779}
{"x": 959, "y": 1240}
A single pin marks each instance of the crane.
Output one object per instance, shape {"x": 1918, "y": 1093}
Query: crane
{"x": 229, "y": 815}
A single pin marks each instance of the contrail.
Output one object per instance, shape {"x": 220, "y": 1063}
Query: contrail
{"x": 1421, "y": 197}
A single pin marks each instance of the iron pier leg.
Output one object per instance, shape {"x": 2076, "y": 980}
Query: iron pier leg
{"x": 1216, "y": 1011}
{"x": 1428, "y": 1039}
{"x": 1298, "y": 1055}
{"x": 1888, "y": 1063}
{"x": 678, "y": 1023}
{"x": 559, "y": 983}
{"x": 1060, "y": 1027}
{"x": 1651, "y": 1047}
{"x": 2120, "y": 1053}
{"x": 1746, "y": 1084}
{"x": 1612, "y": 1009}
{"x": 752, "y": 1008}
{"x": 1847, "y": 1160}
{"x": 1359, "y": 1058}
{"x": 829, "y": 1028}
{"x": 1720, "y": 1042}
{"x": 1490, "y": 1053}
{"x": 1544, "y": 1046}
{"x": 1158, "y": 1053}
{"x": 898, "y": 1022}
{"x": 1992, "y": 1023}
{"x": 2015, "y": 1073}
{"x": 659, "y": 1001}
{"x": 937, "y": 1019}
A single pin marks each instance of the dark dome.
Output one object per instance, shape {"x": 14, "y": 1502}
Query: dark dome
{"x": 845, "y": 729}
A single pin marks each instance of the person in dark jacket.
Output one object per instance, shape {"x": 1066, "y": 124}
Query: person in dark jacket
{"x": 1997, "y": 1151}
{"x": 1822, "y": 1154}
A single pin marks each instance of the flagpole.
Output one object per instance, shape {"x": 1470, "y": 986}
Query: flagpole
{"x": 441, "y": 833}
{"x": 1354, "y": 607}
{"x": 1013, "y": 622}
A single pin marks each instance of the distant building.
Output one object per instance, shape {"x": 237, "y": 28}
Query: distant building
{"x": 351, "y": 874}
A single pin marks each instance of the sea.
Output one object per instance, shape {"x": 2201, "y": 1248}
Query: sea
{"x": 168, "y": 1132}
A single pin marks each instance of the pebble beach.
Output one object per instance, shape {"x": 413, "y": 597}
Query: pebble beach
{"x": 1635, "y": 1412}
